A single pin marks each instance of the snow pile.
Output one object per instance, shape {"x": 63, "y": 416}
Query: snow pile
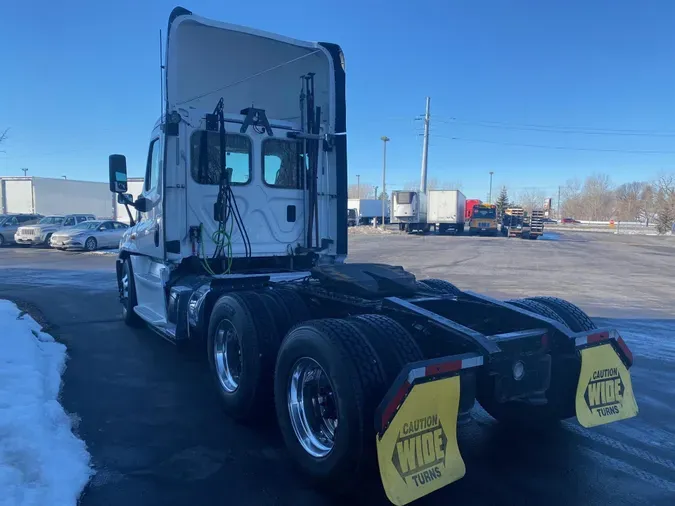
{"x": 41, "y": 461}
{"x": 370, "y": 230}
{"x": 105, "y": 252}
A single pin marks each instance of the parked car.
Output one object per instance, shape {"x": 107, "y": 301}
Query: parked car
{"x": 41, "y": 233}
{"x": 549, "y": 220}
{"x": 9, "y": 223}
{"x": 569, "y": 220}
{"x": 89, "y": 236}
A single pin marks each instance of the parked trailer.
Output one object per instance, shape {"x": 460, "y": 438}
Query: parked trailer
{"x": 409, "y": 210}
{"x": 367, "y": 209}
{"x": 536, "y": 220}
{"x": 359, "y": 362}
{"x": 446, "y": 210}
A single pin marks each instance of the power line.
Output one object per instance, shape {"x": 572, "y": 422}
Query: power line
{"x": 558, "y": 128}
{"x": 562, "y": 148}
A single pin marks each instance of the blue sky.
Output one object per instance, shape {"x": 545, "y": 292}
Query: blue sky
{"x": 80, "y": 80}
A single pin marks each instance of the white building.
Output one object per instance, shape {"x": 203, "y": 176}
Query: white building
{"x": 44, "y": 195}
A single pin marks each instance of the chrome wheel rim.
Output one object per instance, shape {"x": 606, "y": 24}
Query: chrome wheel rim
{"x": 312, "y": 407}
{"x": 90, "y": 244}
{"x": 227, "y": 356}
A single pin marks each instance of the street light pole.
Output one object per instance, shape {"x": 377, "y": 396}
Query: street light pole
{"x": 490, "y": 194}
{"x": 385, "y": 139}
{"x": 24, "y": 172}
{"x": 358, "y": 186}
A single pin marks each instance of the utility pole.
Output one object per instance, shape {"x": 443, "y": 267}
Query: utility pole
{"x": 376, "y": 187}
{"x": 358, "y": 186}
{"x": 558, "y": 208}
{"x": 24, "y": 172}
{"x": 490, "y": 194}
{"x": 384, "y": 139}
{"x": 425, "y": 149}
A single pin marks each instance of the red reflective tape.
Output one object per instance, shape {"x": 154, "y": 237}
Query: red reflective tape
{"x": 624, "y": 347}
{"x": 391, "y": 407}
{"x": 432, "y": 370}
{"x": 599, "y": 336}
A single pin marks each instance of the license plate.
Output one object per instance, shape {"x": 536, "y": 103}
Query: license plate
{"x": 418, "y": 452}
{"x": 605, "y": 391}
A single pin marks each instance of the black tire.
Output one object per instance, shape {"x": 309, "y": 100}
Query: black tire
{"x": 129, "y": 301}
{"x": 534, "y": 237}
{"x": 90, "y": 244}
{"x": 440, "y": 285}
{"x": 358, "y": 383}
{"x": 249, "y": 317}
{"x": 294, "y": 305}
{"x": 393, "y": 344}
{"x": 538, "y": 308}
{"x": 574, "y": 317}
{"x": 2, "y": 240}
{"x": 46, "y": 243}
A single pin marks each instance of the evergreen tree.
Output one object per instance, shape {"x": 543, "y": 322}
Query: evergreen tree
{"x": 502, "y": 201}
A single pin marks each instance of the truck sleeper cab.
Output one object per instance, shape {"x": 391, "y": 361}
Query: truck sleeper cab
{"x": 240, "y": 249}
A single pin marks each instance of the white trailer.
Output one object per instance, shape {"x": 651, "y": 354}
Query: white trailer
{"x": 49, "y": 196}
{"x": 446, "y": 210}
{"x": 54, "y": 196}
{"x": 367, "y": 209}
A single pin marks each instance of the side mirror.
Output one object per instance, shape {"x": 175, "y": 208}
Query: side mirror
{"x": 117, "y": 172}
{"x": 101, "y": 228}
{"x": 125, "y": 199}
{"x": 143, "y": 205}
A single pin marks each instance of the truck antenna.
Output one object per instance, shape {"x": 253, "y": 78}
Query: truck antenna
{"x": 161, "y": 78}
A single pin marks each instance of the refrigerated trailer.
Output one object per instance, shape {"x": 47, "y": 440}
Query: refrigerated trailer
{"x": 57, "y": 196}
{"x": 363, "y": 366}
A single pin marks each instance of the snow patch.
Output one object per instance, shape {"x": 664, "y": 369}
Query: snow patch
{"x": 105, "y": 252}
{"x": 41, "y": 461}
{"x": 370, "y": 230}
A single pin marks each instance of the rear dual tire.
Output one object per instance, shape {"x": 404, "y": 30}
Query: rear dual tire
{"x": 360, "y": 357}
{"x": 560, "y": 396}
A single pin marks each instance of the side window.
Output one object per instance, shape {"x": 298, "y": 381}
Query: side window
{"x": 153, "y": 166}
{"x": 69, "y": 222}
{"x": 80, "y": 219}
{"x": 12, "y": 221}
{"x": 282, "y": 163}
{"x": 206, "y": 169}
{"x": 120, "y": 226}
{"x": 108, "y": 225}
{"x": 26, "y": 219}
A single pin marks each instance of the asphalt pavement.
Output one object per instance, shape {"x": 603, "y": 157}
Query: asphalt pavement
{"x": 157, "y": 435}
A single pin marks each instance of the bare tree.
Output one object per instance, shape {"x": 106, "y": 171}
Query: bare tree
{"x": 362, "y": 191}
{"x": 530, "y": 199}
{"x": 594, "y": 200}
{"x": 665, "y": 203}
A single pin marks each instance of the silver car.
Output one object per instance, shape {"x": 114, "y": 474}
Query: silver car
{"x": 89, "y": 235}
{"x": 9, "y": 224}
{"x": 39, "y": 234}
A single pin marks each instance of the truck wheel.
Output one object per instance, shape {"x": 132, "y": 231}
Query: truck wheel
{"x": 242, "y": 344}
{"x": 294, "y": 305}
{"x": 328, "y": 382}
{"x": 537, "y": 308}
{"x": 393, "y": 344}
{"x": 128, "y": 296}
{"x": 574, "y": 317}
{"x": 440, "y": 285}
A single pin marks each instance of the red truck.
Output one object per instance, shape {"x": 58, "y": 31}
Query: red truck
{"x": 468, "y": 210}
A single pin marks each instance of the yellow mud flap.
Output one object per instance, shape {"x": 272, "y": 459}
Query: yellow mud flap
{"x": 604, "y": 392}
{"x": 417, "y": 447}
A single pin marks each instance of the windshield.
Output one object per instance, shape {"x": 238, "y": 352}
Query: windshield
{"x": 88, "y": 225}
{"x": 52, "y": 220}
{"x": 484, "y": 213}
{"x": 351, "y": 213}
{"x": 3, "y": 219}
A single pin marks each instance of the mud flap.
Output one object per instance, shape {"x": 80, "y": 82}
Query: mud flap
{"x": 417, "y": 447}
{"x": 604, "y": 392}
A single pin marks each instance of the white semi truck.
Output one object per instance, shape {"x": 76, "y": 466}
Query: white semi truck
{"x": 241, "y": 248}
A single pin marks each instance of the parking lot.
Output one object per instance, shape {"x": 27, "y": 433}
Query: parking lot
{"x": 156, "y": 433}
